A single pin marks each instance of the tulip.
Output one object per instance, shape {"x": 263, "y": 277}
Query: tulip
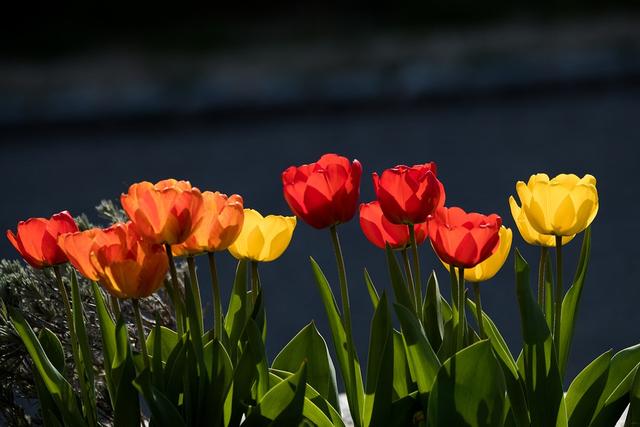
{"x": 380, "y": 231}
{"x": 166, "y": 212}
{"x": 36, "y": 239}
{"x": 324, "y": 193}
{"x": 490, "y": 266}
{"x": 78, "y": 247}
{"x": 263, "y": 239}
{"x": 527, "y": 232}
{"x": 562, "y": 206}
{"x": 132, "y": 267}
{"x": 222, "y": 219}
{"x": 408, "y": 195}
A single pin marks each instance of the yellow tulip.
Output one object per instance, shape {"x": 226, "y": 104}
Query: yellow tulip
{"x": 263, "y": 238}
{"x": 527, "y": 232}
{"x": 490, "y": 267}
{"x": 562, "y": 206}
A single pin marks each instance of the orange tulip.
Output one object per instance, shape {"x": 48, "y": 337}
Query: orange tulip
{"x": 79, "y": 246}
{"x": 132, "y": 267}
{"x": 36, "y": 239}
{"x": 165, "y": 212}
{"x": 222, "y": 219}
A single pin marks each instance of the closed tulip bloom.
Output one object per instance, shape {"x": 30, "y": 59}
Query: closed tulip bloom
{"x": 263, "y": 238}
{"x": 78, "y": 247}
{"x": 463, "y": 239}
{"x": 131, "y": 268}
{"x": 527, "y": 232}
{"x": 165, "y": 212}
{"x": 222, "y": 219}
{"x": 408, "y": 195}
{"x": 36, "y": 239}
{"x": 380, "y": 231}
{"x": 324, "y": 193}
{"x": 490, "y": 266}
{"x": 562, "y": 206}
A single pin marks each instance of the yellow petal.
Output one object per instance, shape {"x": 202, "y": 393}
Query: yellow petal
{"x": 490, "y": 267}
{"x": 240, "y": 248}
{"x": 278, "y": 231}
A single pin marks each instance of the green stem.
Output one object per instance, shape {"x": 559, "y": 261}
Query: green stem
{"x": 255, "y": 282}
{"x": 416, "y": 267}
{"x": 558, "y": 297}
{"x": 217, "y": 300}
{"x": 115, "y": 307}
{"x": 174, "y": 292}
{"x": 141, "y": 336}
{"x": 476, "y": 291}
{"x": 461, "y": 301}
{"x": 346, "y": 311}
{"x": 454, "y": 287}
{"x": 541, "y": 267}
{"x": 195, "y": 289}
{"x": 410, "y": 282}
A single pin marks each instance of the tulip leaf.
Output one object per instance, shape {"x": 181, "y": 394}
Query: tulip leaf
{"x": 400, "y": 289}
{"x": 193, "y": 307}
{"x": 406, "y": 411}
{"x": 126, "y": 407}
{"x": 167, "y": 338}
{"x": 54, "y": 351}
{"x": 52, "y": 348}
{"x": 108, "y": 334}
{"x": 585, "y": 390}
{"x": 543, "y": 385}
{"x": 423, "y": 362}
{"x": 571, "y": 301}
{"x": 371, "y": 289}
{"x": 58, "y": 387}
{"x": 633, "y": 417}
{"x": 218, "y": 383}
{"x": 379, "y": 385}
{"x": 432, "y": 312}
{"x": 85, "y": 363}
{"x": 355, "y": 388}
{"x": 256, "y": 347}
{"x": 469, "y": 390}
{"x": 549, "y": 308}
{"x": 163, "y": 412}
{"x": 237, "y": 312}
{"x": 517, "y": 400}
{"x": 615, "y": 395}
{"x": 401, "y": 375}
{"x": 308, "y": 345}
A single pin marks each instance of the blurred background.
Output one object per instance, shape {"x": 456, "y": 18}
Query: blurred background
{"x": 95, "y": 99}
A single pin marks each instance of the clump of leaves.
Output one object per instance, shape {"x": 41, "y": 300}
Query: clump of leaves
{"x": 35, "y": 293}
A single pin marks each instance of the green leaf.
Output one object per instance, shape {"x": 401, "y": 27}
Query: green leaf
{"x": 256, "y": 347}
{"x": 108, "y": 333}
{"x": 163, "y": 412}
{"x": 401, "y": 375}
{"x": 432, "y": 312}
{"x": 237, "y": 312}
{"x": 571, "y": 301}
{"x": 84, "y": 365}
{"x": 406, "y": 411}
{"x": 308, "y": 345}
{"x": 373, "y": 293}
{"x": 284, "y": 403}
{"x": 423, "y": 362}
{"x": 543, "y": 385}
{"x": 517, "y": 400}
{"x": 52, "y": 348}
{"x": 633, "y": 417}
{"x": 549, "y": 309}
{"x": 126, "y": 405}
{"x": 218, "y": 383}
{"x": 615, "y": 396}
{"x": 193, "y": 312}
{"x": 57, "y": 386}
{"x": 400, "y": 290}
{"x": 585, "y": 390}
{"x": 355, "y": 389}
{"x": 167, "y": 338}
{"x": 469, "y": 390}
{"x": 379, "y": 385}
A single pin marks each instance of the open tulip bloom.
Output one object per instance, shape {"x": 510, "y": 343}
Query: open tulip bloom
{"x": 439, "y": 369}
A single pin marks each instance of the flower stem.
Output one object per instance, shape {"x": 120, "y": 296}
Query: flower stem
{"x": 541, "y": 269}
{"x": 461, "y": 301}
{"x": 217, "y": 301}
{"x": 416, "y": 267}
{"x": 346, "y": 311}
{"x": 454, "y": 287}
{"x": 115, "y": 307}
{"x": 141, "y": 337}
{"x": 195, "y": 288}
{"x": 558, "y": 297}
{"x": 174, "y": 292}
{"x": 255, "y": 282}
{"x": 410, "y": 282}
{"x": 476, "y": 291}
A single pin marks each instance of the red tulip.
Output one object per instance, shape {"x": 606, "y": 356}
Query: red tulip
{"x": 379, "y": 230}
{"x": 323, "y": 193}
{"x": 463, "y": 239}
{"x": 36, "y": 239}
{"x": 408, "y": 195}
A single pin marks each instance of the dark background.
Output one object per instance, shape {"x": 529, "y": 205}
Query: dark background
{"x": 92, "y": 100}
